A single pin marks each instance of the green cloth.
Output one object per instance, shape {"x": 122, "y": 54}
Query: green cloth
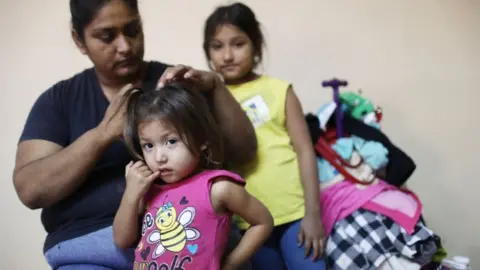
{"x": 439, "y": 255}
{"x": 357, "y": 105}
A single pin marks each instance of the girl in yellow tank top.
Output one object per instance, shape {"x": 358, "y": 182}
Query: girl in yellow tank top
{"x": 284, "y": 174}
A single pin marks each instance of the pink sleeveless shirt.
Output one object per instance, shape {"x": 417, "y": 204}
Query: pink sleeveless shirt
{"x": 181, "y": 230}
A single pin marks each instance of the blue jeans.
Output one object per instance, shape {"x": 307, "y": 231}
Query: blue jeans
{"x": 97, "y": 251}
{"x": 93, "y": 251}
{"x": 282, "y": 252}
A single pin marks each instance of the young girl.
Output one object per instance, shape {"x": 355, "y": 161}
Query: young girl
{"x": 176, "y": 184}
{"x": 284, "y": 174}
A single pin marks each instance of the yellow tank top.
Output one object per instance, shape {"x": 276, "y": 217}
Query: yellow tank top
{"x": 274, "y": 176}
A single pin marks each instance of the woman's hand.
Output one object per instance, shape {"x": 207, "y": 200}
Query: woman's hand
{"x": 312, "y": 236}
{"x": 205, "y": 81}
{"x": 114, "y": 119}
{"x": 139, "y": 179}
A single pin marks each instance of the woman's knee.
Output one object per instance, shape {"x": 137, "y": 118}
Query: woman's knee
{"x": 267, "y": 258}
{"x": 96, "y": 248}
{"x": 82, "y": 267}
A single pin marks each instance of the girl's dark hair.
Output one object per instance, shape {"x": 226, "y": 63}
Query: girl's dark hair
{"x": 84, "y": 11}
{"x": 186, "y": 110}
{"x": 243, "y": 18}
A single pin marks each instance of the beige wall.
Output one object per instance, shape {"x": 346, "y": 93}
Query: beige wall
{"x": 418, "y": 59}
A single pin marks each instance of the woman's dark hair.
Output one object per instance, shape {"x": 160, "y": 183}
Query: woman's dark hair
{"x": 186, "y": 110}
{"x": 243, "y": 18}
{"x": 84, "y": 11}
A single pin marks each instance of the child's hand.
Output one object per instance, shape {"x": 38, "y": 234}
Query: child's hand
{"x": 229, "y": 196}
{"x": 229, "y": 266}
{"x": 312, "y": 236}
{"x": 139, "y": 178}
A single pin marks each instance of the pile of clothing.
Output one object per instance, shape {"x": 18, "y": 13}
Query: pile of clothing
{"x": 372, "y": 220}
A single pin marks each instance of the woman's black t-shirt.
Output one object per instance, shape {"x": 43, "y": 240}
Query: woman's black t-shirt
{"x": 62, "y": 114}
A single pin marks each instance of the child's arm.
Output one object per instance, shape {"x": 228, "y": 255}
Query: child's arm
{"x": 311, "y": 233}
{"x": 125, "y": 225}
{"x": 229, "y": 196}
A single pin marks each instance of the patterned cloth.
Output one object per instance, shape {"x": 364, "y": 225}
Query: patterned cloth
{"x": 364, "y": 240}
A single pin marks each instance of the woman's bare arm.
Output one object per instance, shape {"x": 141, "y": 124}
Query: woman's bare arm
{"x": 46, "y": 173}
{"x": 241, "y": 142}
{"x": 239, "y": 134}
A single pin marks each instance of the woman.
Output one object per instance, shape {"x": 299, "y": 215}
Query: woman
{"x": 70, "y": 161}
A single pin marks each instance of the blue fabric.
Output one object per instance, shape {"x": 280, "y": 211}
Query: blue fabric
{"x": 83, "y": 267}
{"x": 373, "y": 153}
{"x": 92, "y": 251}
{"x": 326, "y": 171}
{"x": 282, "y": 252}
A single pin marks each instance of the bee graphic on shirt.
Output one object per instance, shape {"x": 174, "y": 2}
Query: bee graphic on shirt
{"x": 173, "y": 233}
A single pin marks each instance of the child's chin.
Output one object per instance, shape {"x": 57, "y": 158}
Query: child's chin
{"x": 170, "y": 179}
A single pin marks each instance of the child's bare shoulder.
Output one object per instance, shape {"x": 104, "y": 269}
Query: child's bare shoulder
{"x": 223, "y": 185}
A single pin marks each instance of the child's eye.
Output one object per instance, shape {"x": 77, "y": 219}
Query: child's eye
{"x": 239, "y": 44}
{"x": 171, "y": 141}
{"x": 216, "y": 46}
{"x": 147, "y": 146}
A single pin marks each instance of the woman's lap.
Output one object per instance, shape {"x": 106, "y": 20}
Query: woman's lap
{"x": 83, "y": 267}
{"x": 95, "y": 251}
{"x": 282, "y": 252}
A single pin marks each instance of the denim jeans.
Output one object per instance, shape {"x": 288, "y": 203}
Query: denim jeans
{"x": 282, "y": 252}
{"x": 97, "y": 251}
{"x": 94, "y": 251}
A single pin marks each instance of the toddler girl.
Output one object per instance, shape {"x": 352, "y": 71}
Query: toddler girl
{"x": 177, "y": 185}
{"x": 284, "y": 174}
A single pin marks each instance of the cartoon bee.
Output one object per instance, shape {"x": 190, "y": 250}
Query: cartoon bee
{"x": 172, "y": 233}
